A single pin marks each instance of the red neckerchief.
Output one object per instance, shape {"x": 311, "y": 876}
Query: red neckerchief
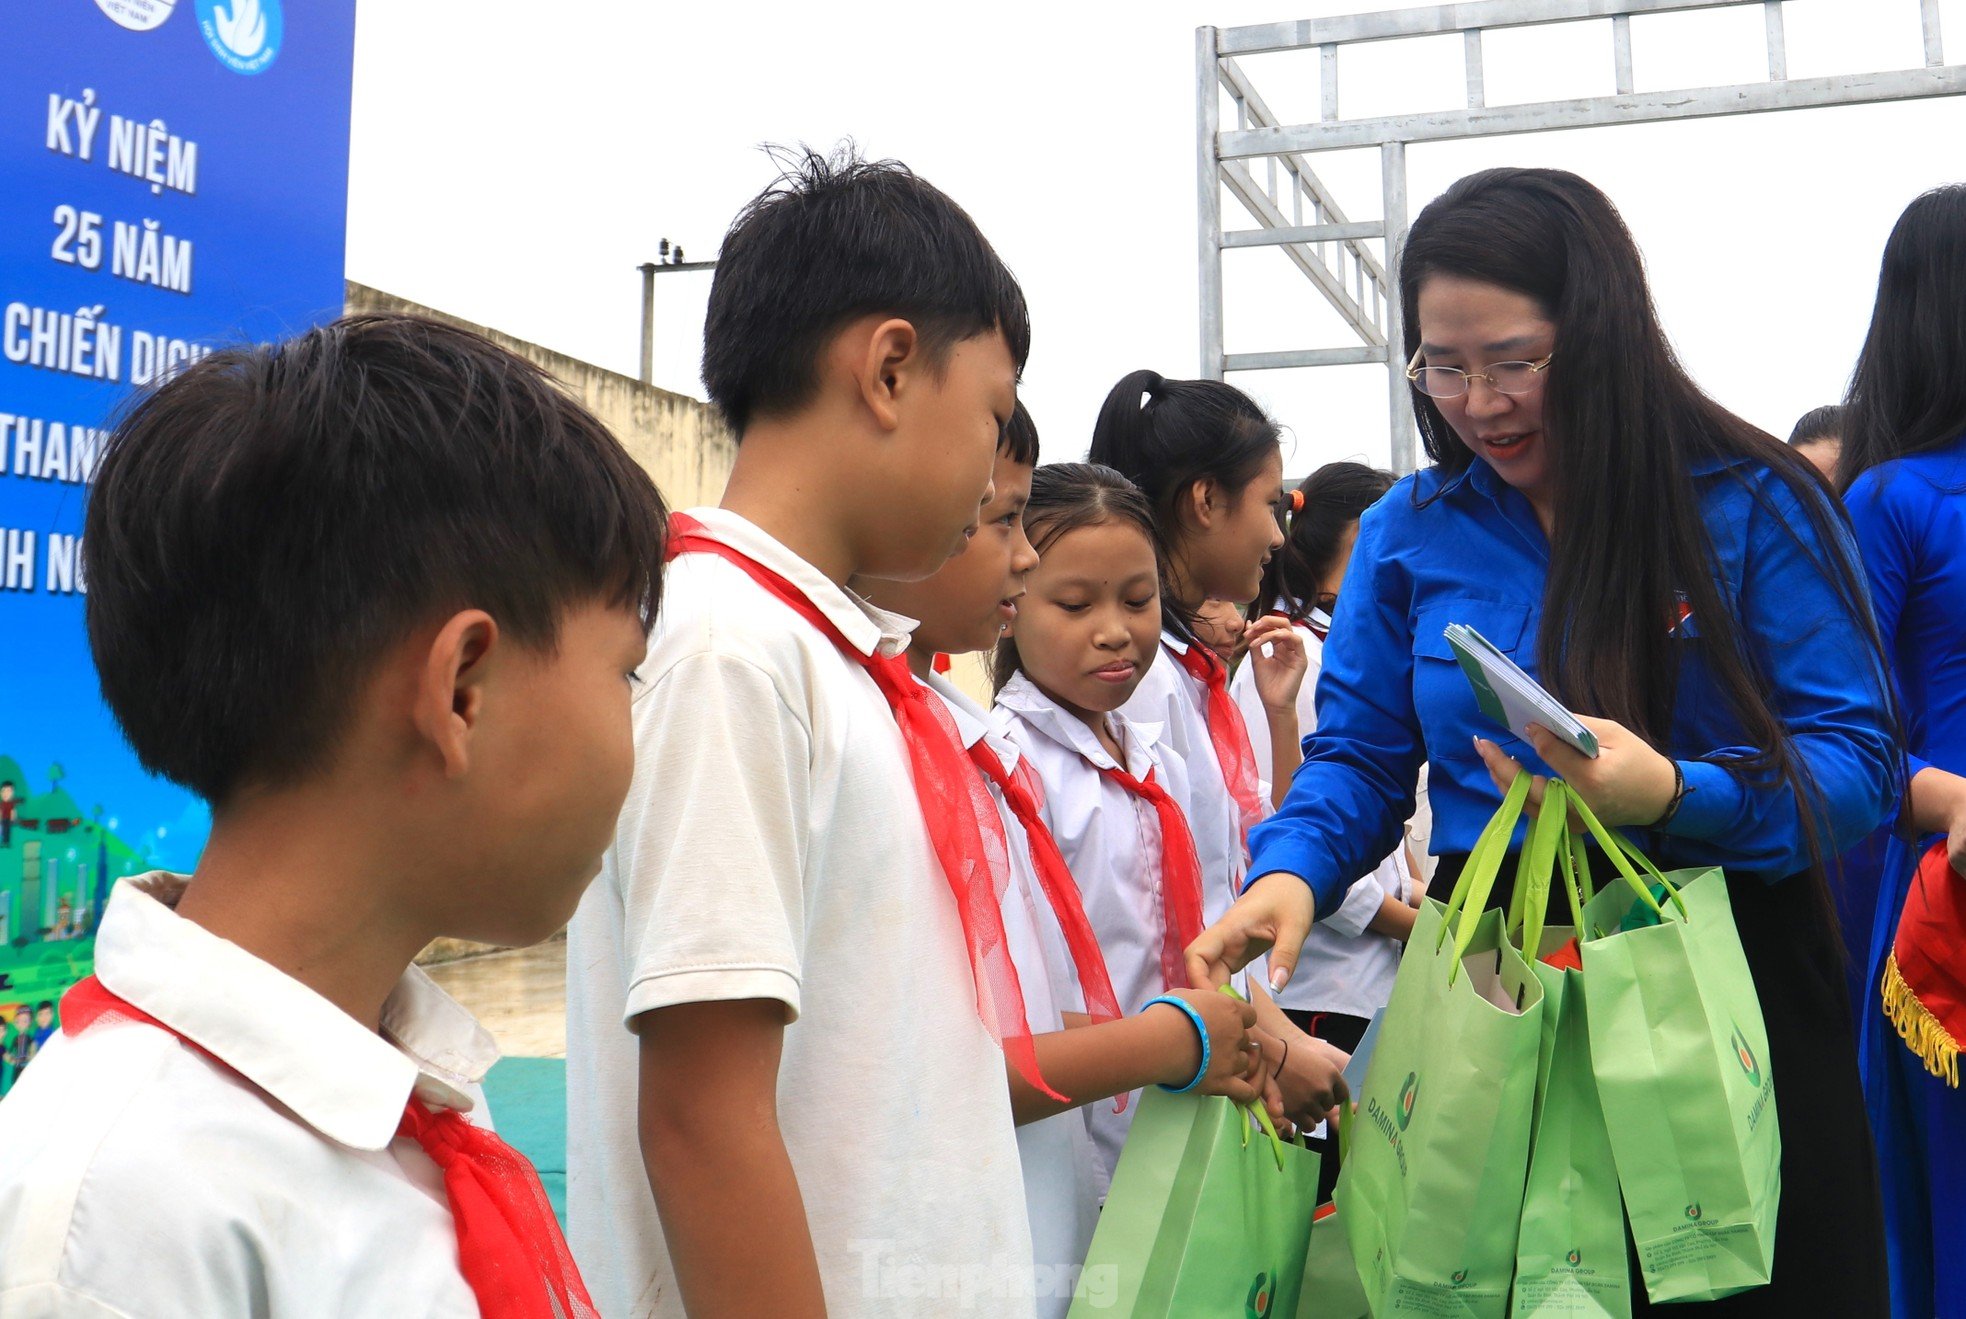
{"x": 509, "y": 1246}
{"x": 1229, "y": 735}
{"x": 1055, "y": 877}
{"x": 952, "y": 799}
{"x": 1180, "y": 876}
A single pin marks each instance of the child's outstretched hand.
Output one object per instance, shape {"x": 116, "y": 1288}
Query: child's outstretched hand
{"x": 1312, "y": 1080}
{"x": 1276, "y": 652}
{"x": 1232, "y": 1053}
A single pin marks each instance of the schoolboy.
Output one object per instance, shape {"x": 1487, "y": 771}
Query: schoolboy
{"x": 377, "y": 595}
{"x": 782, "y": 1098}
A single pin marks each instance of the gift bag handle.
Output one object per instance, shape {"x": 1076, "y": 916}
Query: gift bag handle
{"x": 1530, "y": 908}
{"x": 1624, "y": 855}
{"x": 1477, "y": 878}
{"x": 1255, "y": 1107}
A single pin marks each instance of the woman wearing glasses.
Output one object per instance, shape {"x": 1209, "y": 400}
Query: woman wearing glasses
{"x": 1671, "y": 573}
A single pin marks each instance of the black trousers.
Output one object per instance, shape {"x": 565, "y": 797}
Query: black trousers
{"x": 1829, "y": 1229}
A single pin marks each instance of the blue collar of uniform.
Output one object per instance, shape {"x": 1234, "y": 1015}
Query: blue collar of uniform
{"x": 1478, "y": 475}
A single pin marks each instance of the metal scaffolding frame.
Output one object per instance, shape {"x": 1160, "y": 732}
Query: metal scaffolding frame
{"x": 1295, "y": 210}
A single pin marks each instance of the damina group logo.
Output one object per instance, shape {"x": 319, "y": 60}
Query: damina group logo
{"x": 244, "y": 34}
{"x": 1745, "y": 1057}
{"x": 1261, "y": 1295}
{"x": 1408, "y": 1095}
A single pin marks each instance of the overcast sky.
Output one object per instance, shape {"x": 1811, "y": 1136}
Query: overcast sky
{"x": 513, "y": 163}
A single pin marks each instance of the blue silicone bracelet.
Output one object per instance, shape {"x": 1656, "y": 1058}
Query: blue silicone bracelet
{"x": 1201, "y": 1029}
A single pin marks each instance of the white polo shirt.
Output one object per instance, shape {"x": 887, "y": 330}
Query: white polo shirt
{"x": 771, "y": 847}
{"x": 141, "y": 1177}
{"x": 1061, "y": 1188}
{"x": 1176, "y": 704}
{"x": 1111, "y": 840}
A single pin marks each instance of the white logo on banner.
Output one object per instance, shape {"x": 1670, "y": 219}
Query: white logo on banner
{"x": 244, "y": 34}
{"x": 137, "y": 15}
{"x": 243, "y": 30}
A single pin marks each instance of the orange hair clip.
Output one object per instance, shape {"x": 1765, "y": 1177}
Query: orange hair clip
{"x": 1296, "y": 501}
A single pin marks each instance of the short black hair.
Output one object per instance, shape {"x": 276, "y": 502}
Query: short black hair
{"x": 267, "y": 523}
{"x": 1824, "y": 423}
{"x": 47, "y": 1003}
{"x": 1019, "y": 440}
{"x": 833, "y": 238}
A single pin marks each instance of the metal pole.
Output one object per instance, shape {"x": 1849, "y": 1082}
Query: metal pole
{"x": 1399, "y": 395}
{"x": 1208, "y": 112}
{"x": 648, "y": 321}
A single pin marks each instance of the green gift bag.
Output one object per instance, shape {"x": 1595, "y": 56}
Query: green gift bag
{"x": 1331, "y": 1287}
{"x": 1201, "y": 1219}
{"x": 1570, "y": 1255}
{"x": 1431, "y": 1194}
{"x": 1680, "y": 1055}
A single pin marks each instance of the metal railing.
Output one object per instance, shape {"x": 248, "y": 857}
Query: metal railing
{"x": 1263, "y": 162}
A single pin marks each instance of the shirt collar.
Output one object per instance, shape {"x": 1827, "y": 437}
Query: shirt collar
{"x": 1706, "y": 464}
{"x": 972, "y": 721}
{"x": 1023, "y": 697}
{"x": 347, "y": 1082}
{"x": 1482, "y": 477}
{"x": 1318, "y": 618}
{"x": 866, "y": 627}
{"x": 1173, "y": 643}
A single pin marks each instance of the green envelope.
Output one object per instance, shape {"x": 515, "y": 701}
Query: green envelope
{"x": 1680, "y": 1055}
{"x": 1570, "y": 1255}
{"x": 1431, "y": 1190}
{"x": 1202, "y": 1219}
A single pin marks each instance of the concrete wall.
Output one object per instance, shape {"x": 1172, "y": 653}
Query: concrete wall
{"x": 680, "y": 441}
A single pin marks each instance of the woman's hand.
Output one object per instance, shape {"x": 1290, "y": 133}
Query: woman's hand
{"x": 1276, "y": 652}
{"x": 1938, "y": 806}
{"x": 1627, "y": 784}
{"x": 1273, "y": 915}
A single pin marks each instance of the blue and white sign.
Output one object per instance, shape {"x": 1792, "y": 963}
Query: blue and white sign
{"x": 173, "y": 177}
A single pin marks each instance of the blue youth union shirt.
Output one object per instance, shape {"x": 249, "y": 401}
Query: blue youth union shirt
{"x": 1910, "y": 517}
{"x": 1391, "y": 695}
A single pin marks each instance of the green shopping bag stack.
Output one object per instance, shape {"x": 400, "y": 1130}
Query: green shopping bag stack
{"x": 1679, "y": 1053}
{"x": 1570, "y": 1253}
{"x": 1431, "y": 1193}
{"x": 1201, "y": 1219}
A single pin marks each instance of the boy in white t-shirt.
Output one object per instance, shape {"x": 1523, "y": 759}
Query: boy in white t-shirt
{"x": 377, "y": 594}
{"x": 782, "y": 1097}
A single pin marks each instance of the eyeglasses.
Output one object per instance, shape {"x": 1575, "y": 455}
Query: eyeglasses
{"x": 1452, "y": 382}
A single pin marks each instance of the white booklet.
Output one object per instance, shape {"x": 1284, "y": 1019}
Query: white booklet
{"x": 1511, "y": 697}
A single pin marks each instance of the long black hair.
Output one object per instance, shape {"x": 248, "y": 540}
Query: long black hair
{"x": 1066, "y": 497}
{"x": 1630, "y": 546}
{"x": 1909, "y": 392}
{"x": 1330, "y": 500}
{"x": 1165, "y": 435}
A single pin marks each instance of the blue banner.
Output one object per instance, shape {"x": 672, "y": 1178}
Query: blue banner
{"x": 173, "y": 178}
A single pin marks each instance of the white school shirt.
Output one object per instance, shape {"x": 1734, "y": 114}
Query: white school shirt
{"x": 1111, "y": 840}
{"x": 1344, "y": 967}
{"x": 140, "y": 1176}
{"x": 772, "y": 847}
{"x": 1175, "y": 703}
{"x": 1061, "y": 1190}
